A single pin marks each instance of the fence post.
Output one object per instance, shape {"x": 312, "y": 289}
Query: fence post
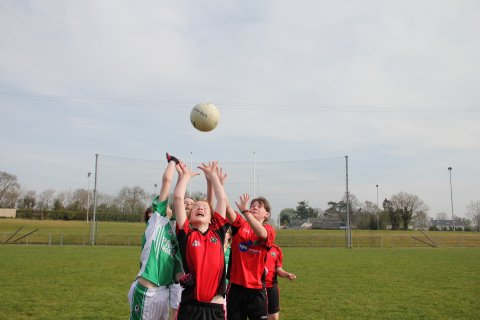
{"x": 49, "y": 239}
{"x": 61, "y": 239}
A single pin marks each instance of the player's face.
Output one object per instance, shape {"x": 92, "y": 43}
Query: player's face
{"x": 258, "y": 211}
{"x": 200, "y": 213}
{"x": 188, "y": 203}
{"x": 228, "y": 237}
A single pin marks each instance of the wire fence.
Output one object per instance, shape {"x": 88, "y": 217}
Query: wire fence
{"x": 283, "y": 183}
{"x": 106, "y": 239}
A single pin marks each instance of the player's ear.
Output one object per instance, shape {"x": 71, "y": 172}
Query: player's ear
{"x": 267, "y": 217}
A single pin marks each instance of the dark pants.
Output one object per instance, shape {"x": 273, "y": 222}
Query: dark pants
{"x": 244, "y": 302}
{"x": 201, "y": 311}
{"x": 273, "y": 294}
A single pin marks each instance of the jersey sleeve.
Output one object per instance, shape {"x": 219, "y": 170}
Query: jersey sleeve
{"x": 159, "y": 206}
{"x": 279, "y": 262}
{"x": 220, "y": 225}
{"x": 237, "y": 224}
{"x": 185, "y": 229}
{"x": 178, "y": 263}
{"x": 182, "y": 238}
{"x": 270, "y": 235}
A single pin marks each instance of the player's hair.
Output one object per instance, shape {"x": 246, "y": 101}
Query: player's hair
{"x": 147, "y": 213}
{"x": 265, "y": 204}
{"x": 229, "y": 231}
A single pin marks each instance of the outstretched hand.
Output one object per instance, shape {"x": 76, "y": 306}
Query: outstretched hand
{"x": 209, "y": 168}
{"x": 183, "y": 170}
{"x": 242, "y": 205}
{"x": 221, "y": 175}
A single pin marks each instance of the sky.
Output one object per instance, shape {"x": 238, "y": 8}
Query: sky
{"x": 300, "y": 86}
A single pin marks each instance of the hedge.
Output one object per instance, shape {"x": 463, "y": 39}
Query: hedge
{"x": 76, "y": 215}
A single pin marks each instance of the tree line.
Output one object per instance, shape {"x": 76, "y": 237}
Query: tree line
{"x": 397, "y": 212}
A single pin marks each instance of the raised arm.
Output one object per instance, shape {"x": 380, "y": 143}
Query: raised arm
{"x": 210, "y": 192}
{"x": 256, "y": 226}
{"x": 212, "y": 174}
{"x": 231, "y": 214}
{"x": 167, "y": 178}
{"x": 184, "y": 176}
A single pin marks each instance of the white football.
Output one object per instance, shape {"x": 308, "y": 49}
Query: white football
{"x": 204, "y": 116}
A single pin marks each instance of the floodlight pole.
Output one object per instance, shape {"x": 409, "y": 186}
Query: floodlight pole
{"x": 253, "y": 175}
{"x": 348, "y": 227}
{"x": 451, "y": 196}
{"x": 93, "y": 225}
{"x": 190, "y": 184}
{"x": 378, "y": 211}
{"x": 88, "y": 194}
{"x": 258, "y": 183}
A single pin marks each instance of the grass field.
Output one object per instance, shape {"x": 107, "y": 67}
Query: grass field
{"x": 84, "y": 282}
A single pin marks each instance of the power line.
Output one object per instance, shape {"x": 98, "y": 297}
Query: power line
{"x": 302, "y": 107}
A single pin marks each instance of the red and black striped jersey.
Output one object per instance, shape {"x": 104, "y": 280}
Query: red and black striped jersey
{"x": 202, "y": 255}
{"x": 274, "y": 261}
{"x": 248, "y": 253}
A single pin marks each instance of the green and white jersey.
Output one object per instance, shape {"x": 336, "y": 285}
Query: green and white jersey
{"x": 160, "y": 258}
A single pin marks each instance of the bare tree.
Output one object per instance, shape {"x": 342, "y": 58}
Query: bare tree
{"x": 9, "y": 190}
{"x": 420, "y": 219}
{"x": 441, "y": 215}
{"x": 61, "y": 201}
{"x": 406, "y": 205}
{"x": 132, "y": 200}
{"x": 45, "y": 199}
{"x": 79, "y": 199}
{"x": 473, "y": 212}
{"x": 28, "y": 199}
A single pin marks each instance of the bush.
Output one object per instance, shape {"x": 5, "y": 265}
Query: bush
{"x": 76, "y": 215}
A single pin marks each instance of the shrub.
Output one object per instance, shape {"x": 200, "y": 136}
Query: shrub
{"x": 76, "y": 215}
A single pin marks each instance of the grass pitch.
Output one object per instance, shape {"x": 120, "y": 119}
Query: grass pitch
{"x": 83, "y": 282}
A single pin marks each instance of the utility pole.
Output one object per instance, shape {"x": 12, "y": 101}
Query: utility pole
{"x": 348, "y": 227}
{"x": 88, "y": 194}
{"x": 451, "y": 196}
{"x": 378, "y": 212}
{"x": 93, "y": 224}
{"x": 253, "y": 175}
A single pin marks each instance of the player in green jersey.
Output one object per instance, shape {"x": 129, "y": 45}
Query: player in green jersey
{"x": 160, "y": 260}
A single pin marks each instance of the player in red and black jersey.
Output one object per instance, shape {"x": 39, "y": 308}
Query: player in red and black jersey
{"x": 201, "y": 240}
{"x": 274, "y": 268}
{"x": 252, "y": 237}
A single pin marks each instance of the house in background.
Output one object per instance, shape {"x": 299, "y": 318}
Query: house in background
{"x": 441, "y": 224}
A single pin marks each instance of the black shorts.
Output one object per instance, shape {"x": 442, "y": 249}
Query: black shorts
{"x": 201, "y": 311}
{"x": 273, "y": 294}
{"x": 244, "y": 302}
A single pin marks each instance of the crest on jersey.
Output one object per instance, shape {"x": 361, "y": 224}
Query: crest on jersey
{"x": 273, "y": 254}
{"x": 196, "y": 243}
{"x": 213, "y": 239}
{"x": 137, "y": 308}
